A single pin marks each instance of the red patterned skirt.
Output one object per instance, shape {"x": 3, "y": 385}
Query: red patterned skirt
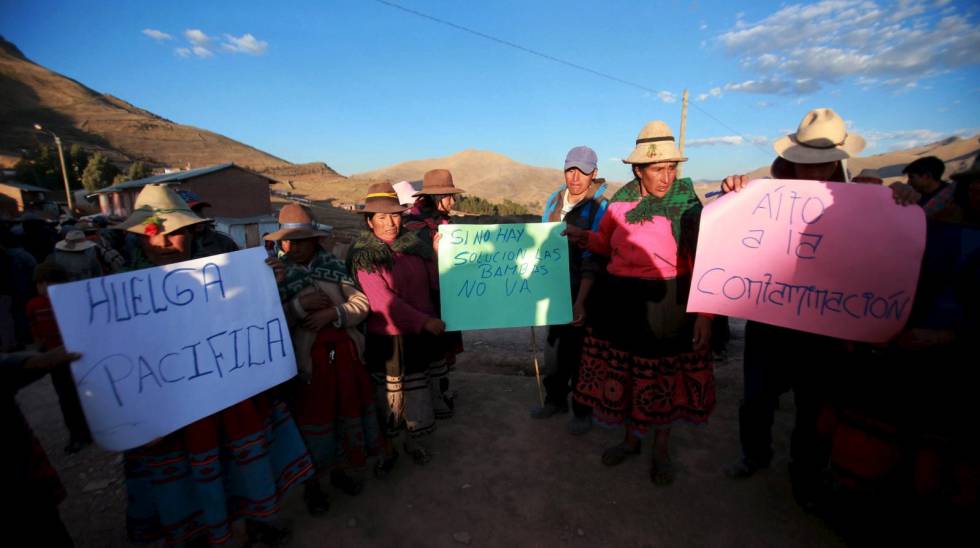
{"x": 638, "y": 366}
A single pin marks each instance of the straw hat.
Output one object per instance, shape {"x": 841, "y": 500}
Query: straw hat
{"x": 655, "y": 143}
{"x": 159, "y": 210}
{"x": 438, "y": 182}
{"x": 74, "y": 241}
{"x": 382, "y": 198}
{"x": 295, "y": 223}
{"x": 821, "y": 137}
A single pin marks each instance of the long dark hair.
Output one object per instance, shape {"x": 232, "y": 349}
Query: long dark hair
{"x": 782, "y": 168}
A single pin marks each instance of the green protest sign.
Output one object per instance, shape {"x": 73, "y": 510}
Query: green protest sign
{"x": 509, "y": 275}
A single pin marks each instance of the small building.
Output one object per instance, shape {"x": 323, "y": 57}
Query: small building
{"x": 241, "y": 203}
{"x": 19, "y": 198}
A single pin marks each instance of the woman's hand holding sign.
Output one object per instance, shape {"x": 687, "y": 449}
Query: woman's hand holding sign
{"x": 278, "y": 269}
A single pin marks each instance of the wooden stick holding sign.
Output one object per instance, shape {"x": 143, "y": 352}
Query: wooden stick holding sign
{"x": 537, "y": 369}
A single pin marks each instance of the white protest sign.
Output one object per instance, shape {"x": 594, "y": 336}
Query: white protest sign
{"x": 166, "y": 346}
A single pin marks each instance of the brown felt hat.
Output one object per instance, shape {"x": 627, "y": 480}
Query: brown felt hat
{"x": 295, "y": 223}
{"x": 438, "y": 182}
{"x": 382, "y": 198}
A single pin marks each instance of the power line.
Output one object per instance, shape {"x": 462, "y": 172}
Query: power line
{"x": 558, "y": 60}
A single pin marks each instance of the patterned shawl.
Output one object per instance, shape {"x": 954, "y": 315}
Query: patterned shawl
{"x": 324, "y": 267}
{"x": 678, "y": 201}
{"x": 369, "y": 253}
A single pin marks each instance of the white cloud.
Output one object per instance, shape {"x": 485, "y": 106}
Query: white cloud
{"x": 727, "y": 140}
{"x": 197, "y": 37}
{"x": 774, "y": 85}
{"x": 667, "y": 97}
{"x": 157, "y": 34}
{"x": 802, "y": 47}
{"x": 910, "y": 138}
{"x": 713, "y": 92}
{"x": 203, "y": 46}
{"x": 245, "y": 43}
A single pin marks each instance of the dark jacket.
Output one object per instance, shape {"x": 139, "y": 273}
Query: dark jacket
{"x": 586, "y": 214}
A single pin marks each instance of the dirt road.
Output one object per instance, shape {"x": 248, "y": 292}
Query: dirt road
{"x": 501, "y": 479}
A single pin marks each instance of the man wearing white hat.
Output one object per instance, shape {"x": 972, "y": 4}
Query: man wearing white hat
{"x": 773, "y": 363}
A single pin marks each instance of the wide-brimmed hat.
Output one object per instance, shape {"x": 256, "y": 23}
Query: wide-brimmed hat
{"x": 821, "y": 137}
{"x": 382, "y": 198}
{"x": 74, "y": 241}
{"x": 295, "y": 223}
{"x": 159, "y": 210}
{"x": 438, "y": 182}
{"x": 655, "y": 143}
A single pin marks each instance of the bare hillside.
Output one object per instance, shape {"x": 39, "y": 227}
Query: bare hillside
{"x": 33, "y": 94}
{"x": 957, "y": 153}
{"x": 482, "y": 173}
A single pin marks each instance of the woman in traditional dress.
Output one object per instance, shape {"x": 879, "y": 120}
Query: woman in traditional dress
{"x": 431, "y": 210}
{"x": 191, "y": 486}
{"x": 647, "y": 363}
{"x": 394, "y": 270}
{"x": 332, "y": 398}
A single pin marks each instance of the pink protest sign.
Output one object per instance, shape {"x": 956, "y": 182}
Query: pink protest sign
{"x": 830, "y": 258}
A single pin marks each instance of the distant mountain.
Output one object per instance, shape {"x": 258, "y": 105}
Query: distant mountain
{"x": 957, "y": 153}
{"x": 97, "y": 121}
{"x": 482, "y": 173}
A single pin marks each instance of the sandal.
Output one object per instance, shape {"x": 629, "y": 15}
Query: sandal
{"x": 385, "y": 464}
{"x": 317, "y": 502}
{"x": 419, "y": 454}
{"x": 618, "y": 453}
{"x": 661, "y": 472}
{"x": 347, "y": 484}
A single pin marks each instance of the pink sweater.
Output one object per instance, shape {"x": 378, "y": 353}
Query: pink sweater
{"x": 644, "y": 250}
{"x": 402, "y": 298}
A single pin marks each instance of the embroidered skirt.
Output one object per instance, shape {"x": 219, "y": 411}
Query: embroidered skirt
{"x": 335, "y": 411}
{"x": 195, "y": 482}
{"x": 407, "y": 371}
{"x": 638, "y": 366}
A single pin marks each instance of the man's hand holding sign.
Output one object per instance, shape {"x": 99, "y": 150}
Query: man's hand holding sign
{"x": 829, "y": 258}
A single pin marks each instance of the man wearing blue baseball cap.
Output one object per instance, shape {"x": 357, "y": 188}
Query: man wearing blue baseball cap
{"x": 579, "y": 202}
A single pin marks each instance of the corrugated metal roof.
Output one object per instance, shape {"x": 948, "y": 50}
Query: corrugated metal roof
{"x": 25, "y": 186}
{"x": 174, "y": 177}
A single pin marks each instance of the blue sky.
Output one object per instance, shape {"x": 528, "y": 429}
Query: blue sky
{"x": 361, "y": 85}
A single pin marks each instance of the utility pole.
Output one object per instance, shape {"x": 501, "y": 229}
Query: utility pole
{"x": 683, "y": 129}
{"x": 64, "y": 172}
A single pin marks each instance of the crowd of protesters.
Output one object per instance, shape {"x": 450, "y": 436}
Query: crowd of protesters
{"x": 374, "y": 357}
